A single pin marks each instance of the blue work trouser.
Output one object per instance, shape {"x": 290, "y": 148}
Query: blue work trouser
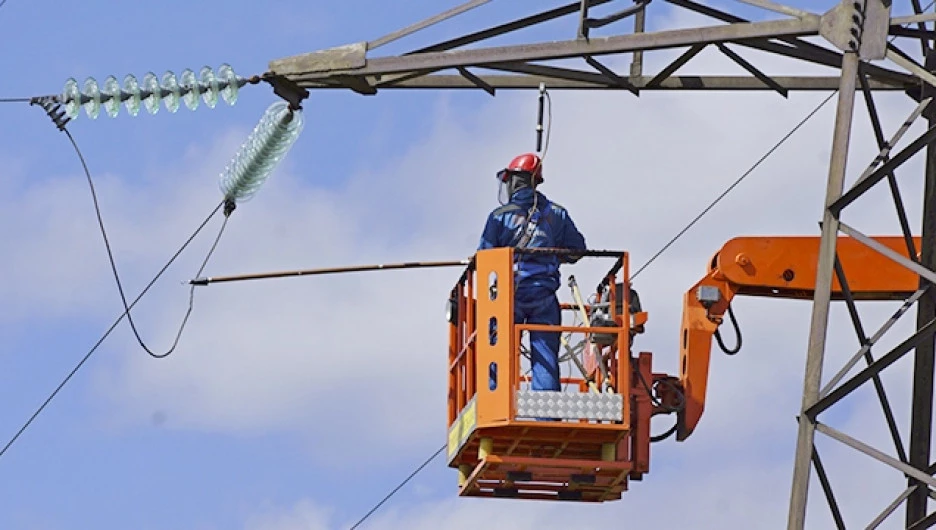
{"x": 539, "y": 305}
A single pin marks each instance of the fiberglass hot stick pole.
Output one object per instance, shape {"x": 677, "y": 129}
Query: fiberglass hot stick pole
{"x": 332, "y": 270}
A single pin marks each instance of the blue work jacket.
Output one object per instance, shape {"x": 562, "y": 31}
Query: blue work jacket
{"x": 505, "y": 227}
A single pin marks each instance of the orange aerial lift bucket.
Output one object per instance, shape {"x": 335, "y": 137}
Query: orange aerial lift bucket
{"x": 600, "y": 436}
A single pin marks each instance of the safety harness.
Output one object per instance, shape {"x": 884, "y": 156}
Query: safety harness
{"x": 531, "y": 223}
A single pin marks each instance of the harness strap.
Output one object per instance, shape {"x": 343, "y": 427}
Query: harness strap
{"x": 531, "y": 225}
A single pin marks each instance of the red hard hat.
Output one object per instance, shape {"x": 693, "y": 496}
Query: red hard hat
{"x": 526, "y": 163}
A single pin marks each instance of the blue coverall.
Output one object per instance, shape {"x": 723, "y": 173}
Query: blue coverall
{"x": 536, "y": 277}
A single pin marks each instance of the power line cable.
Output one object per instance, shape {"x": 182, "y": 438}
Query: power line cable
{"x": 107, "y": 333}
{"x": 400, "y": 485}
{"x": 110, "y": 256}
{"x": 51, "y": 108}
{"x": 734, "y": 184}
{"x": 749, "y": 171}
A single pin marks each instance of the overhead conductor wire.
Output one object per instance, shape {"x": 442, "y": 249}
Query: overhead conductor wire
{"x": 734, "y": 184}
{"x": 400, "y": 485}
{"x": 107, "y": 333}
{"x": 749, "y": 171}
{"x": 57, "y": 119}
{"x": 240, "y": 182}
{"x": 110, "y": 256}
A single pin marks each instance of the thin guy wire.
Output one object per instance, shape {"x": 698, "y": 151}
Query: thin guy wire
{"x": 748, "y": 172}
{"x": 400, "y": 485}
{"x": 734, "y": 184}
{"x": 106, "y": 334}
{"x": 15, "y": 100}
{"x": 110, "y": 256}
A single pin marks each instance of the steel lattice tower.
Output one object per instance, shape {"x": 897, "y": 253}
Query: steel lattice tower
{"x": 862, "y": 35}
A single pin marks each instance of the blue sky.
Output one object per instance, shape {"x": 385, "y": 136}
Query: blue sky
{"x": 254, "y": 421}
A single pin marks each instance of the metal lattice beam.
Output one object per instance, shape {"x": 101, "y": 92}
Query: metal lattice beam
{"x": 352, "y": 67}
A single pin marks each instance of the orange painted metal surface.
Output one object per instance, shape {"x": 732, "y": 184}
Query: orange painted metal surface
{"x": 779, "y": 267}
{"x": 785, "y": 267}
{"x": 499, "y": 454}
{"x": 495, "y": 370}
{"x": 574, "y": 479}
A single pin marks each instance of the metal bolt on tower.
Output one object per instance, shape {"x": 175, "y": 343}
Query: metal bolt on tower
{"x": 862, "y": 35}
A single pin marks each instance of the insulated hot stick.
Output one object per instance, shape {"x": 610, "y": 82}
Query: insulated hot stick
{"x": 404, "y": 265}
{"x": 539, "y": 119}
{"x": 331, "y": 270}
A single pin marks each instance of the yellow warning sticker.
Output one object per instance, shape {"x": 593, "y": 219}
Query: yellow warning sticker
{"x": 462, "y": 428}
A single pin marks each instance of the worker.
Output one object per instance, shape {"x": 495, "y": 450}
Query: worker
{"x": 526, "y": 218}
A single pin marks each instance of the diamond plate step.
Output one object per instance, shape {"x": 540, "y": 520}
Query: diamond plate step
{"x": 570, "y": 406}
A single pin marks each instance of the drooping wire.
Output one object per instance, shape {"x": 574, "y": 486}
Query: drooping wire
{"x": 108, "y": 332}
{"x": 400, "y": 485}
{"x": 113, "y": 264}
{"x": 735, "y": 183}
{"x": 542, "y": 161}
{"x": 548, "y": 125}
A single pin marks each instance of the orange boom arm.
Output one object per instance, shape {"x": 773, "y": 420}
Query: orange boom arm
{"x": 779, "y": 267}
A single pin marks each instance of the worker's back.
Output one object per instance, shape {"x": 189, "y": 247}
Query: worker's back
{"x": 554, "y": 229}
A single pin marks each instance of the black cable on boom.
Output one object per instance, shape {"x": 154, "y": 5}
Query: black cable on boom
{"x": 718, "y": 337}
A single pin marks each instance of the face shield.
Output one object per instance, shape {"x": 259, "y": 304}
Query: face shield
{"x": 510, "y": 180}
